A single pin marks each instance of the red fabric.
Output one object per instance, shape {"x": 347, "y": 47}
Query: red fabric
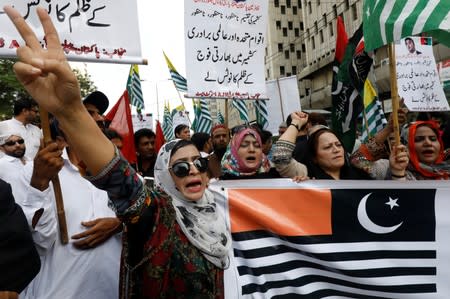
{"x": 159, "y": 139}
{"x": 341, "y": 40}
{"x": 359, "y": 47}
{"x": 120, "y": 117}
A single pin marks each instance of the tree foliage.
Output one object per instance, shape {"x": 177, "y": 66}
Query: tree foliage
{"x": 11, "y": 89}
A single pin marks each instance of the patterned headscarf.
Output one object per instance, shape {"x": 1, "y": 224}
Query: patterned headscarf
{"x": 233, "y": 164}
{"x": 435, "y": 171}
{"x": 200, "y": 221}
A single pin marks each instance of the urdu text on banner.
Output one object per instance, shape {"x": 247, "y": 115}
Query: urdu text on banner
{"x": 101, "y": 30}
{"x": 225, "y": 46}
{"x": 346, "y": 239}
{"x": 417, "y": 75}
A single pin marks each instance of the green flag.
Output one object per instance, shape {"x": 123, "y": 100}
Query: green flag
{"x": 390, "y": 20}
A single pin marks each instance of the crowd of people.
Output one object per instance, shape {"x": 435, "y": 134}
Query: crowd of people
{"x": 168, "y": 239}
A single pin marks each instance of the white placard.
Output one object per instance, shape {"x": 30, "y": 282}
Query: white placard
{"x": 417, "y": 75}
{"x": 225, "y": 45}
{"x": 101, "y": 30}
{"x": 283, "y": 100}
{"x": 140, "y": 121}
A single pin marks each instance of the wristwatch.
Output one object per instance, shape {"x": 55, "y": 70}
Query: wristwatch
{"x": 295, "y": 125}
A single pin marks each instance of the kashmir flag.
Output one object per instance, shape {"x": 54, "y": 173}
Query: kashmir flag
{"x": 328, "y": 239}
{"x": 121, "y": 122}
{"x": 159, "y": 138}
{"x": 196, "y": 108}
{"x": 167, "y": 126}
{"x": 374, "y": 119}
{"x": 203, "y": 118}
{"x": 390, "y": 20}
{"x": 134, "y": 88}
{"x": 262, "y": 114}
{"x": 347, "y": 103}
{"x": 241, "y": 107}
{"x": 178, "y": 80}
{"x": 220, "y": 118}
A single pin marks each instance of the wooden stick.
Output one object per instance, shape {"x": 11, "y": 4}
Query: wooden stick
{"x": 56, "y": 184}
{"x": 394, "y": 92}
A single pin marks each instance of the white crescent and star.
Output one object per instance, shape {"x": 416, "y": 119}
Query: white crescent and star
{"x": 368, "y": 224}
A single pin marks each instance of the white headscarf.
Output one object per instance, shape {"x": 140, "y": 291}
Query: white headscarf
{"x": 201, "y": 222}
{"x": 6, "y": 131}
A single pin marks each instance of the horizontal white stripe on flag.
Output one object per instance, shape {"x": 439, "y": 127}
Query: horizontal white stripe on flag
{"x": 344, "y": 265}
{"x": 300, "y": 272}
{"x": 317, "y": 286}
{"x": 335, "y": 247}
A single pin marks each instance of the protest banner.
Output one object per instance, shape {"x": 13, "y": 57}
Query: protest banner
{"x": 417, "y": 76}
{"x": 225, "y": 47}
{"x": 377, "y": 239}
{"x": 88, "y": 30}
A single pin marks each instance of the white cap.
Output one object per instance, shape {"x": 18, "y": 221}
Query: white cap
{"x": 7, "y": 131}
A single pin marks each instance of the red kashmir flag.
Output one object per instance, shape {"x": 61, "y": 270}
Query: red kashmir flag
{"x": 159, "y": 139}
{"x": 120, "y": 117}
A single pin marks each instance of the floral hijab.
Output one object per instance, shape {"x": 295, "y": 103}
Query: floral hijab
{"x": 438, "y": 170}
{"x": 200, "y": 220}
{"x": 233, "y": 164}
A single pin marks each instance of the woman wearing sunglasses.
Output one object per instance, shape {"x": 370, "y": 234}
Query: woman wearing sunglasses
{"x": 175, "y": 241}
{"x": 244, "y": 158}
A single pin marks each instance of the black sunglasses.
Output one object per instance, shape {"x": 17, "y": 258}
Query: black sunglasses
{"x": 181, "y": 169}
{"x": 11, "y": 143}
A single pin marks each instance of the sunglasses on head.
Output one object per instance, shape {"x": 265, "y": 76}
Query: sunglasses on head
{"x": 181, "y": 169}
{"x": 11, "y": 142}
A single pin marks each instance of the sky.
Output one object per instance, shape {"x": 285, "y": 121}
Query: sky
{"x": 161, "y": 25}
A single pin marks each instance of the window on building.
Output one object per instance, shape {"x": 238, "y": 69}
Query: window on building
{"x": 347, "y": 4}
{"x": 288, "y": 3}
{"x": 299, "y": 54}
{"x": 282, "y": 71}
{"x": 303, "y": 48}
{"x": 276, "y": 3}
{"x": 316, "y": 27}
{"x": 286, "y": 54}
{"x": 283, "y": 9}
{"x": 354, "y": 12}
{"x": 290, "y": 26}
{"x": 292, "y": 47}
{"x": 278, "y": 24}
{"x": 321, "y": 36}
{"x": 296, "y": 32}
{"x": 300, "y": 4}
{"x": 325, "y": 18}
{"x": 301, "y": 26}
{"x": 309, "y": 7}
{"x": 280, "y": 47}
{"x": 285, "y": 31}
{"x": 335, "y": 14}
{"x": 331, "y": 29}
{"x": 268, "y": 73}
{"x": 294, "y": 10}
{"x": 294, "y": 70}
{"x": 318, "y": 2}
{"x": 313, "y": 43}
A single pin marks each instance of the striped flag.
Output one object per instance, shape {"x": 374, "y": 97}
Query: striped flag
{"x": 241, "y": 107}
{"x": 374, "y": 114}
{"x": 220, "y": 118}
{"x": 203, "y": 118}
{"x": 390, "y": 20}
{"x": 196, "y": 108}
{"x": 262, "y": 115}
{"x": 372, "y": 241}
{"x": 167, "y": 124}
{"x": 178, "y": 80}
{"x": 134, "y": 88}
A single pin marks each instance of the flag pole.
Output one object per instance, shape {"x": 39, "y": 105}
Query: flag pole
{"x": 45, "y": 124}
{"x": 226, "y": 113}
{"x": 281, "y": 100}
{"x": 394, "y": 92}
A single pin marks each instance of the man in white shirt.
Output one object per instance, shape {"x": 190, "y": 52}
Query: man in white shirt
{"x": 25, "y": 114}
